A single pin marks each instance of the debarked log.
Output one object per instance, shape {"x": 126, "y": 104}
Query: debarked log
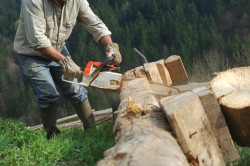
{"x": 232, "y": 90}
{"x": 218, "y": 124}
{"x": 188, "y": 119}
{"x": 141, "y": 131}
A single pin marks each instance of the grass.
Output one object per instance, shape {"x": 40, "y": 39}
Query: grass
{"x": 244, "y": 156}
{"x": 20, "y": 146}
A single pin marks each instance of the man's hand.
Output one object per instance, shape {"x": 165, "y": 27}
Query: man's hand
{"x": 71, "y": 70}
{"x": 113, "y": 50}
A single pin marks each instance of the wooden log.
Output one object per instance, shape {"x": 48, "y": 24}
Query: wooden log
{"x": 160, "y": 90}
{"x": 157, "y": 72}
{"x": 138, "y": 72}
{"x": 176, "y": 68}
{"x": 103, "y": 116}
{"x": 73, "y": 120}
{"x": 164, "y": 73}
{"x": 187, "y": 117}
{"x": 190, "y": 86}
{"x": 141, "y": 131}
{"x": 232, "y": 90}
{"x": 152, "y": 72}
{"x": 218, "y": 123}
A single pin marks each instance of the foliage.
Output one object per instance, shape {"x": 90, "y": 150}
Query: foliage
{"x": 20, "y": 146}
{"x": 203, "y": 68}
{"x": 244, "y": 156}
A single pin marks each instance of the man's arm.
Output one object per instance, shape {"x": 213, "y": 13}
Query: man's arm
{"x": 35, "y": 24}
{"x": 71, "y": 70}
{"x": 106, "y": 40}
{"x": 52, "y": 53}
{"x": 112, "y": 49}
{"x": 91, "y": 22}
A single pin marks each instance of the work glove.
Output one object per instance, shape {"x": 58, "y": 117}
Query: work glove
{"x": 113, "y": 50}
{"x": 70, "y": 69}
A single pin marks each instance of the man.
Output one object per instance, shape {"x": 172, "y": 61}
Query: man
{"x": 44, "y": 26}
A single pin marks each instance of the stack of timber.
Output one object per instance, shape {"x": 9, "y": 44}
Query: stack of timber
{"x": 159, "y": 124}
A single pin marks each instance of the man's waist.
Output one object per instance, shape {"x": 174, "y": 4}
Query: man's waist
{"x": 40, "y": 58}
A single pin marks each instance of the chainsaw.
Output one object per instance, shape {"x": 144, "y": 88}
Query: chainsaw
{"x": 101, "y": 75}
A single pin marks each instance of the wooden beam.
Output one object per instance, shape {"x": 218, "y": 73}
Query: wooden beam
{"x": 190, "y": 86}
{"x": 188, "y": 119}
{"x": 157, "y": 72}
{"x": 176, "y": 68}
{"x": 218, "y": 123}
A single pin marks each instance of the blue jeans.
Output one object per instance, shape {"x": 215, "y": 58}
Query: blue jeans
{"x": 44, "y": 75}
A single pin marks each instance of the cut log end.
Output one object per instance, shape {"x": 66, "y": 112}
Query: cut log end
{"x": 232, "y": 90}
{"x": 176, "y": 68}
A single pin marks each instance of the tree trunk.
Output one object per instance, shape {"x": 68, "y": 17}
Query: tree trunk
{"x": 232, "y": 90}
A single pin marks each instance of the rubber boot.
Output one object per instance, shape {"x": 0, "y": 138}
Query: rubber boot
{"x": 48, "y": 116}
{"x": 85, "y": 114}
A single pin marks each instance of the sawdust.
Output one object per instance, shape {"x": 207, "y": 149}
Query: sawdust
{"x": 133, "y": 110}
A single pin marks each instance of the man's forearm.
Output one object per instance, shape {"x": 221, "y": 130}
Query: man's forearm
{"x": 106, "y": 40}
{"x": 52, "y": 53}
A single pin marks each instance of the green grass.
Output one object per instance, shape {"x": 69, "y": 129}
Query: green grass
{"x": 20, "y": 146}
{"x": 244, "y": 156}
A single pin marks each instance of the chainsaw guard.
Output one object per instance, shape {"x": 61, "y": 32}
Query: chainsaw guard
{"x": 107, "y": 80}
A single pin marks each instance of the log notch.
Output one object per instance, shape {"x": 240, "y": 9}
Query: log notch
{"x": 141, "y": 131}
{"x": 157, "y": 72}
{"x": 188, "y": 119}
{"x": 160, "y": 90}
{"x": 232, "y": 90}
{"x": 138, "y": 72}
{"x": 191, "y": 86}
{"x": 218, "y": 123}
{"x": 176, "y": 68}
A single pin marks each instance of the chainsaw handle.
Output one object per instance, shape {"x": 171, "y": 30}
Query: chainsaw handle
{"x": 108, "y": 60}
{"x": 105, "y": 62}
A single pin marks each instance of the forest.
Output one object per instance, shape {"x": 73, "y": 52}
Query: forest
{"x": 204, "y": 33}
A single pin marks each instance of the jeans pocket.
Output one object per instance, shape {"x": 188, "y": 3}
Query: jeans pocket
{"x": 31, "y": 69}
{"x": 30, "y": 66}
